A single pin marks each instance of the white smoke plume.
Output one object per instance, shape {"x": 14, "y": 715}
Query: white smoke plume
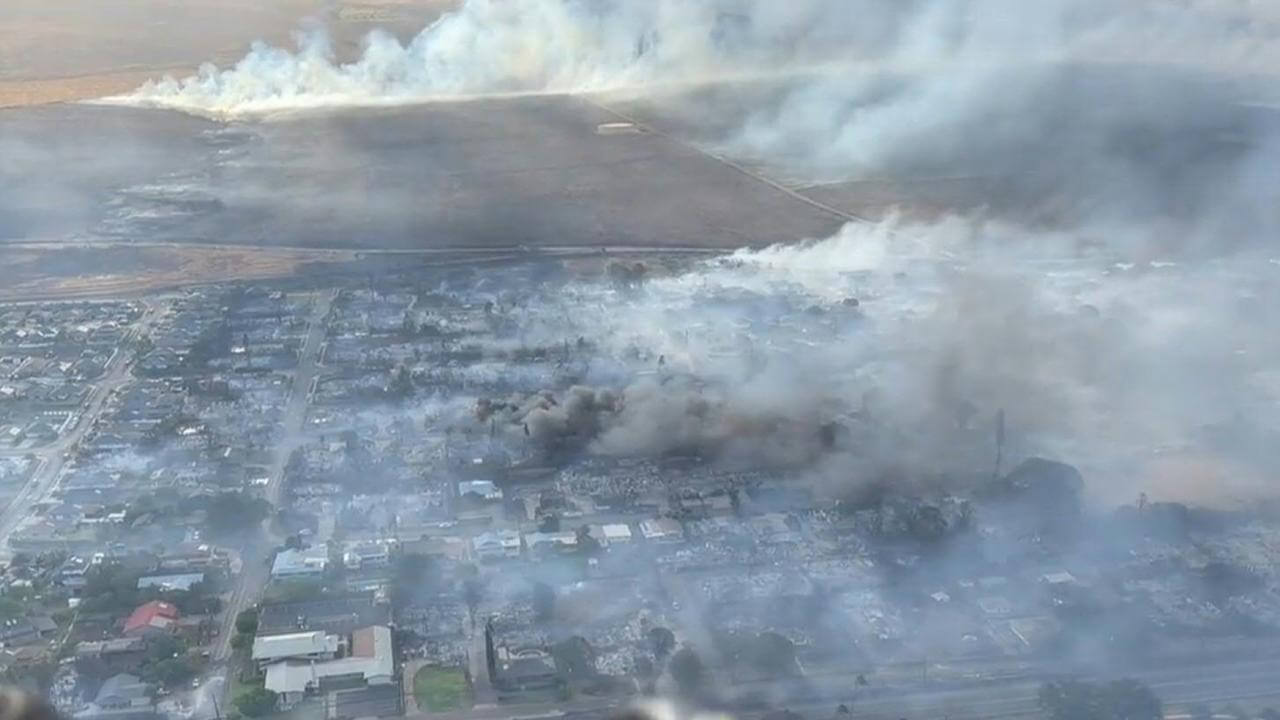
{"x": 1114, "y": 362}
{"x": 491, "y": 47}
{"x": 571, "y": 46}
{"x": 1123, "y": 114}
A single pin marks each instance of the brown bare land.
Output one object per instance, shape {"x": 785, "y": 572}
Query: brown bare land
{"x": 82, "y": 49}
{"x": 61, "y": 271}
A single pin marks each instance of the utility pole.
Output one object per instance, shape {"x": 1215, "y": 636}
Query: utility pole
{"x": 999, "y": 441}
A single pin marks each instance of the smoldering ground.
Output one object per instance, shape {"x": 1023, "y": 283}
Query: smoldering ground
{"x": 762, "y": 358}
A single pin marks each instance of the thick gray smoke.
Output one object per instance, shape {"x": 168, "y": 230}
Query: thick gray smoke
{"x": 489, "y": 46}
{"x": 1070, "y": 107}
{"x": 1151, "y": 374}
{"x": 673, "y": 414}
{"x": 1121, "y": 136}
{"x": 493, "y": 47}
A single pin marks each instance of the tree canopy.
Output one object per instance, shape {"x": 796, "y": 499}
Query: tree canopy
{"x": 247, "y": 621}
{"x": 234, "y": 511}
{"x": 256, "y": 702}
{"x": 663, "y": 642}
{"x": 1118, "y": 700}
{"x": 688, "y": 672}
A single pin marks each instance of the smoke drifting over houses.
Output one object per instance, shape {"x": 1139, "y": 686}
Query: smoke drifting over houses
{"x": 1093, "y": 291}
{"x": 898, "y": 344}
{"x": 827, "y": 338}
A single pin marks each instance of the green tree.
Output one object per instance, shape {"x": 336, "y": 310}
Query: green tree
{"x": 401, "y": 385}
{"x": 1236, "y": 712}
{"x": 170, "y": 672}
{"x": 240, "y": 641}
{"x": 36, "y": 678}
{"x": 663, "y": 641}
{"x": 1118, "y": 700}
{"x": 256, "y": 702}
{"x": 472, "y": 588}
{"x": 111, "y": 588}
{"x": 575, "y": 659}
{"x": 688, "y": 672}
{"x": 772, "y": 653}
{"x": 233, "y": 512}
{"x": 927, "y": 524}
{"x": 1130, "y": 699}
{"x": 247, "y": 622}
{"x": 163, "y": 647}
{"x": 586, "y": 544}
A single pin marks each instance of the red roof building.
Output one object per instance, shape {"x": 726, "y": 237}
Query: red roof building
{"x": 154, "y": 616}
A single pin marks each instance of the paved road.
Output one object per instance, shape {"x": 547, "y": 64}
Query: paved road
{"x": 254, "y": 571}
{"x": 481, "y": 684}
{"x": 53, "y": 456}
{"x": 528, "y": 711}
{"x": 1246, "y": 681}
{"x": 1178, "y": 687}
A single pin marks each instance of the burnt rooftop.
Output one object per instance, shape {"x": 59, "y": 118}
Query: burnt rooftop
{"x": 339, "y": 617}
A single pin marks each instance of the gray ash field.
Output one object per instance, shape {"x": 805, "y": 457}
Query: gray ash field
{"x": 524, "y": 171}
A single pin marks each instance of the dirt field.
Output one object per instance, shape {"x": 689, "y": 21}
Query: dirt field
{"x": 60, "y": 271}
{"x": 80, "y": 49}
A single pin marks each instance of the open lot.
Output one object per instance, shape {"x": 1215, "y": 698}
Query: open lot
{"x": 441, "y": 689}
{"x": 94, "y": 271}
{"x": 79, "y": 49}
{"x": 532, "y": 171}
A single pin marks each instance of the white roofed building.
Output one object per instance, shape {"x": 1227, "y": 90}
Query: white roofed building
{"x": 482, "y": 489}
{"x": 616, "y": 533}
{"x": 665, "y": 530}
{"x": 370, "y": 660}
{"x": 316, "y": 645}
{"x": 551, "y": 541}
{"x": 300, "y": 563}
{"x": 496, "y": 545}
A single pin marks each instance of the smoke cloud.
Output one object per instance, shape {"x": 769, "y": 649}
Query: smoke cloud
{"x": 573, "y": 46}
{"x": 1072, "y": 107}
{"x": 1100, "y": 299}
{"x": 1135, "y": 369}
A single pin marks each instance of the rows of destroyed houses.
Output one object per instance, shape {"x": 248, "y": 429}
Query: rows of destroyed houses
{"x": 228, "y": 330}
{"x": 50, "y": 354}
{"x": 427, "y": 334}
{"x": 200, "y": 414}
{"x": 854, "y": 585}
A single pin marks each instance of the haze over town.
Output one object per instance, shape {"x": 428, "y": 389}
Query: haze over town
{"x": 482, "y": 359}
